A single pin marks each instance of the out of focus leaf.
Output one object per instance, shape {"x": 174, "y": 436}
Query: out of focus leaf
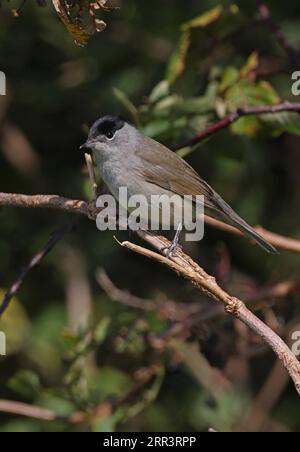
{"x": 229, "y": 78}
{"x": 250, "y": 66}
{"x": 248, "y": 126}
{"x": 282, "y": 122}
{"x": 177, "y": 61}
{"x": 157, "y": 325}
{"x": 25, "y": 383}
{"x": 106, "y": 381}
{"x": 16, "y": 326}
{"x": 128, "y": 105}
{"x": 101, "y": 330}
{"x": 204, "y": 19}
{"x": 161, "y": 90}
{"x": 221, "y": 20}
{"x": 59, "y": 405}
{"x": 109, "y": 424}
{"x": 251, "y": 94}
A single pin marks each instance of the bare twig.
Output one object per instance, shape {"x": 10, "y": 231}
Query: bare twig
{"x": 24, "y": 409}
{"x": 90, "y": 167}
{"x": 34, "y": 262}
{"x": 50, "y": 202}
{"x": 123, "y": 296}
{"x": 171, "y": 309}
{"x": 45, "y": 202}
{"x": 277, "y": 240}
{"x": 234, "y": 116}
{"x": 183, "y": 265}
{"x": 266, "y": 18}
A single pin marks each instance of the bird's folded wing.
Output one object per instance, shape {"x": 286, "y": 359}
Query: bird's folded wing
{"x": 164, "y": 168}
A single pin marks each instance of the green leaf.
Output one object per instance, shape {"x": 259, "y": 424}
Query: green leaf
{"x": 249, "y": 126}
{"x": 205, "y": 19}
{"x": 220, "y": 21}
{"x": 161, "y": 90}
{"x": 157, "y": 326}
{"x": 58, "y": 404}
{"x": 128, "y": 105}
{"x": 109, "y": 424}
{"x": 26, "y": 384}
{"x": 101, "y": 330}
{"x": 177, "y": 62}
{"x": 106, "y": 382}
{"x": 282, "y": 122}
{"x": 250, "y": 66}
{"x": 16, "y": 326}
{"x": 229, "y": 78}
{"x": 245, "y": 93}
{"x": 156, "y": 127}
{"x": 168, "y": 105}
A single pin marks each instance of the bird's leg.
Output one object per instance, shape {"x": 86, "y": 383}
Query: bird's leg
{"x": 170, "y": 250}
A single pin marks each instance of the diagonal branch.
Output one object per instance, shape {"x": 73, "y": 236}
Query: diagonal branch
{"x": 234, "y": 116}
{"x": 184, "y": 266}
{"x": 266, "y": 18}
{"x": 34, "y": 262}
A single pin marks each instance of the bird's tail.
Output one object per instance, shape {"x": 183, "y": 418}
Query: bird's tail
{"x": 226, "y": 211}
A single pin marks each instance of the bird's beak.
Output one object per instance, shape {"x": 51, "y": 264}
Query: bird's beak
{"x": 86, "y": 146}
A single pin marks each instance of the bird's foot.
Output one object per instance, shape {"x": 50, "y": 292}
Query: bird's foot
{"x": 169, "y": 251}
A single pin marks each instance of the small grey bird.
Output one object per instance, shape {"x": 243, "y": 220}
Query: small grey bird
{"x": 127, "y": 158}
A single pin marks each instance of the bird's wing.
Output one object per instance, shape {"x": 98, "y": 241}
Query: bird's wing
{"x": 164, "y": 168}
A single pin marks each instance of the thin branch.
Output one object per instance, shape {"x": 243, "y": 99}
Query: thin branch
{"x": 266, "y": 18}
{"x": 170, "y": 309}
{"x": 123, "y": 296}
{"x": 53, "y": 202}
{"x": 90, "y": 167}
{"x": 34, "y": 262}
{"x": 235, "y": 116}
{"x": 27, "y": 410}
{"x": 277, "y": 240}
{"x": 45, "y": 202}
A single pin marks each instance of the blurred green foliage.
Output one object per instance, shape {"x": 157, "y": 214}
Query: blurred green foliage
{"x": 173, "y": 69}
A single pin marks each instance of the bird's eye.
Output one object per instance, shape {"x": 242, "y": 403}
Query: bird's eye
{"x": 109, "y": 134}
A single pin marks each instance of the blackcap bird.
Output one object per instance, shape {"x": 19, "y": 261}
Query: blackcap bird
{"x": 126, "y": 157}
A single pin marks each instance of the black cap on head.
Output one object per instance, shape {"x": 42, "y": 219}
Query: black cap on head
{"x": 108, "y": 125}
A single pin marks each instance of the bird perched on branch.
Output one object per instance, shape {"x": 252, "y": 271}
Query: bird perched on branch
{"x": 127, "y": 158}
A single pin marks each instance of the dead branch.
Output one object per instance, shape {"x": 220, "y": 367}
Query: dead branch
{"x": 184, "y": 266}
